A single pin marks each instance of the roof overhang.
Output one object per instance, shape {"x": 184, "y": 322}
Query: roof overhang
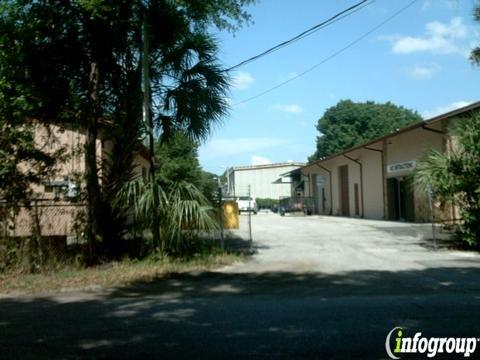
{"x": 451, "y": 114}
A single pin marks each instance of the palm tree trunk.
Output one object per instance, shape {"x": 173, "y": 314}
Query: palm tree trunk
{"x": 148, "y": 120}
{"x": 91, "y": 171}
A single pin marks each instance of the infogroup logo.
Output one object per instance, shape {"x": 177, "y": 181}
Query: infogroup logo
{"x": 432, "y": 346}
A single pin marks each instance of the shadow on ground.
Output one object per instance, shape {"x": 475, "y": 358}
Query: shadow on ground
{"x": 271, "y": 315}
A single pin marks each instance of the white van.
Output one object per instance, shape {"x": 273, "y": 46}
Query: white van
{"x": 247, "y": 204}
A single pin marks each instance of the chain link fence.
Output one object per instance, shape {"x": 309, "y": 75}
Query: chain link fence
{"x": 40, "y": 232}
{"x": 247, "y": 207}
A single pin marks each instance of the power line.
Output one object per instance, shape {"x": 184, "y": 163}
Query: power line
{"x": 338, "y": 52}
{"x": 342, "y": 14}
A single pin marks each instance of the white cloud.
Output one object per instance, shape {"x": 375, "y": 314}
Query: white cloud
{"x": 449, "y": 4}
{"x": 242, "y": 80}
{"x": 222, "y": 148}
{"x": 427, "y": 114}
{"x": 439, "y": 38}
{"x": 260, "y": 160}
{"x": 286, "y": 77}
{"x": 424, "y": 71}
{"x": 289, "y": 108}
{"x": 292, "y": 75}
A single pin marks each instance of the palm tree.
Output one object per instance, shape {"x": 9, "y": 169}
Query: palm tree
{"x": 184, "y": 210}
{"x": 184, "y": 89}
{"x": 454, "y": 176}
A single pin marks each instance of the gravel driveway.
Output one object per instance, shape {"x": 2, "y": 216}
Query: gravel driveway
{"x": 317, "y": 288}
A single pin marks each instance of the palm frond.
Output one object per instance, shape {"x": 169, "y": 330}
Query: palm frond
{"x": 432, "y": 174}
{"x": 183, "y": 210}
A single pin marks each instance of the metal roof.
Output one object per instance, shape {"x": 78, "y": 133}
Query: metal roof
{"x": 267, "y": 166}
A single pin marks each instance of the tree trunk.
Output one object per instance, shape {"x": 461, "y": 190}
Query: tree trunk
{"x": 91, "y": 170}
{"x": 147, "y": 117}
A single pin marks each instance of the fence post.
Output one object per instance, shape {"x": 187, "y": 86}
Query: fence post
{"x": 222, "y": 219}
{"x": 432, "y": 215}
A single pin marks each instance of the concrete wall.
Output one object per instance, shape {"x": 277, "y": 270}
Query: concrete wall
{"x": 372, "y": 183}
{"x": 412, "y": 145}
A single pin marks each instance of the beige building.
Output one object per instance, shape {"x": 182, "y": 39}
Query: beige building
{"x": 264, "y": 181}
{"x": 374, "y": 180}
{"x": 56, "y": 204}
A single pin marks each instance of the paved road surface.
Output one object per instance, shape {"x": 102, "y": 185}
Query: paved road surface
{"x": 319, "y": 287}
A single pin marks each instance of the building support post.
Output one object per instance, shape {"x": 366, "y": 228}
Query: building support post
{"x": 361, "y": 180}
{"x": 384, "y": 172}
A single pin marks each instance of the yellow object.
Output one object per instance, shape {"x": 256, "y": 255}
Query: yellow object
{"x": 231, "y": 219}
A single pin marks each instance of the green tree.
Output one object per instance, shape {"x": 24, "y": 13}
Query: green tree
{"x": 22, "y": 100}
{"x": 184, "y": 85}
{"x": 178, "y": 160}
{"x": 349, "y": 124}
{"x": 209, "y": 185}
{"x": 61, "y": 65}
{"x": 475, "y": 54}
{"x": 21, "y": 164}
{"x": 453, "y": 176}
{"x": 78, "y": 64}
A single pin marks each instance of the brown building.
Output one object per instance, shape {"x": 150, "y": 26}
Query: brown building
{"x": 55, "y": 206}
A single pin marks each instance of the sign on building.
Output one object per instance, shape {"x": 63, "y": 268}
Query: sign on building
{"x": 401, "y": 167}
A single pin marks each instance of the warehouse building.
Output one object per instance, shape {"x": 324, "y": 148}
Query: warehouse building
{"x": 264, "y": 181}
{"x": 374, "y": 180}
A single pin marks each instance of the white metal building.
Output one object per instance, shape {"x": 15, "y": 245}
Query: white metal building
{"x": 265, "y": 181}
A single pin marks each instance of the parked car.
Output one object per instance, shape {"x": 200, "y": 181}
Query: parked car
{"x": 247, "y": 204}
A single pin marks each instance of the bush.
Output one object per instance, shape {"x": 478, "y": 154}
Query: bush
{"x": 455, "y": 176}
{"x": 265, "y": 203}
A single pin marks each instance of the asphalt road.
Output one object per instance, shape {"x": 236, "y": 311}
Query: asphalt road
{"x": 318, "y": 287}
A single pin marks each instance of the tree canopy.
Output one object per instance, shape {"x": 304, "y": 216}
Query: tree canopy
{"x": 80, "y": 64}
{"x": 349, "y": 124}
{"x": 475, "y": 54}
{"x": 179, "y": 162}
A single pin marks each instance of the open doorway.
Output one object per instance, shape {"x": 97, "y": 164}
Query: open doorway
{"x": 400, "y": 199}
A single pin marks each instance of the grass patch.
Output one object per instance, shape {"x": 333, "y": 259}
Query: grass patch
{"x": 113, "y": 273}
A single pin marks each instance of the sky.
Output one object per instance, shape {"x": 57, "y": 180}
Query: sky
{"x": 418, "y": 59}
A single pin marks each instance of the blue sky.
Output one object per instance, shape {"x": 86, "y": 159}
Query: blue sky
{"x": 418, "y": 60}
